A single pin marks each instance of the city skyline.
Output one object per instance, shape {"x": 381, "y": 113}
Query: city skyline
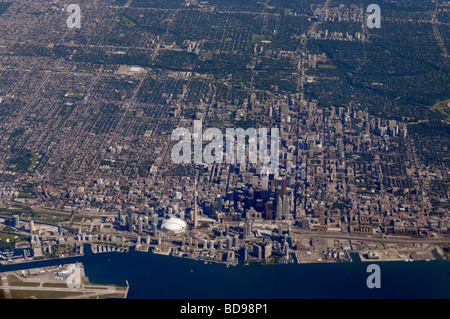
{"x": 232, "y": 132}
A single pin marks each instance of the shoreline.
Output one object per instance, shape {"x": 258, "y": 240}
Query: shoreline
{"x": 152, "y": 249}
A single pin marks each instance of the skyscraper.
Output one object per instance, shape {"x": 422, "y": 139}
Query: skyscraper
{"x": 269, "y": 210}
{"x": 257, "y": 251}
{"x": 265, "y": 183}
{"x": 154, "y": 224}
{"x": 130, "y": 224}
{"x": 140, "y": 225}
{"x": 195, "y": 210}
{"x": 16, "y": 221}
{"x": 119, "y": 215}
{"x": 236, "y": 241}
{"x": 279, "y": 208}
{"x": 219, "y": 203}
{"x": 267, "y": 250}
{"x": 130, "y": 220}
{"x": 248, "y": 227}
{"x": 246, "y": 251}
{"x": 195, "y": 202}
{"x": 286, "y": 206}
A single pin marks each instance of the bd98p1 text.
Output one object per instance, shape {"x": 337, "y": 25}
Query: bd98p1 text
{"x": 246, "y": 308}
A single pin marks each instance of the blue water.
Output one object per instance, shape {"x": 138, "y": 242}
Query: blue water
{"x": 155, "y": 276}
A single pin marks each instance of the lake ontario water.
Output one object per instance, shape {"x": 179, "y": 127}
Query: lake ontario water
{"x": 153, "y": 276}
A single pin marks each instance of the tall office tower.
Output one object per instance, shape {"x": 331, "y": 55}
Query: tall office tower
{"x": 129, "y": 211}
{"x": 236, "y": 241}
{"x": 257, "y": 251}
{"x": 219, "y": 203}
{"x": 16, "y": 221}
{"x": 227, "y": 230}
{"x": 154, "y": 224}
{"x": 229, "y": 243}
{"x": 182, "y": 215}
{"x": 246, "y": 229}
{"x": 265, "y": 183}
{"x": 146, "y": 210}
{"x": 130, "y": 223}
{"x": 119, "y": 215}
{"x": 60, "y": 230}
{"x": 286, "y": 206}
{"x": 279, "y": 185}
{"x": 246, "y": 251}
{"x": 130, "y": 220}
{"x": 279, "y": 208}
{"x": 220, "y": 244}
{"x": 140, "y": 225}
{"x": 195, "y": 201}
{"x": 269, "y": 210}
{"x": 195, "y": 210}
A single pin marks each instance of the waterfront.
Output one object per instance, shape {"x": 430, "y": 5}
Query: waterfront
{"x": 156, "y": 276}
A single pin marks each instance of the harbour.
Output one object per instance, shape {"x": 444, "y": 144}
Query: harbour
{"x": 156, "y": 276}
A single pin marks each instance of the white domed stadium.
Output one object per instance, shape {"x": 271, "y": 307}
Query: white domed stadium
{"x": 173, "y": 226}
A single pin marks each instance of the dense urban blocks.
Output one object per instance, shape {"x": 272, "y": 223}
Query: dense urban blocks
{"x": 100, "y": 141}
